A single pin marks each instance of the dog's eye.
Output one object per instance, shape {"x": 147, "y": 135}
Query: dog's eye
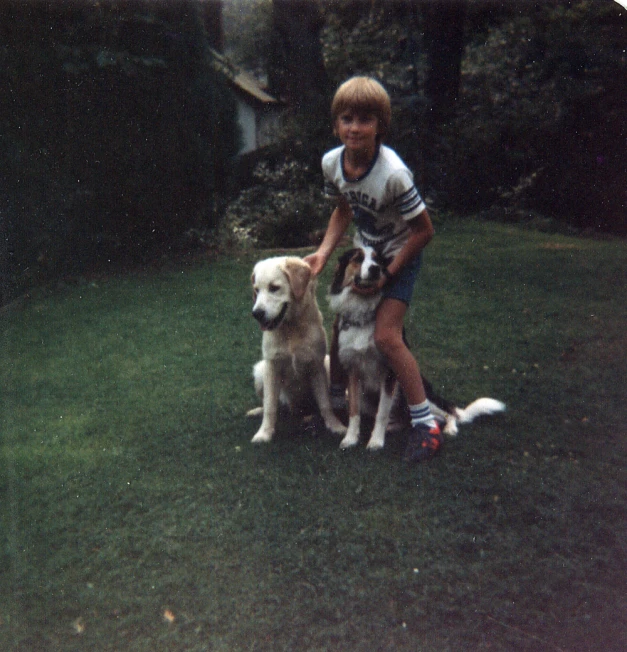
{"x": 273, "y": 288}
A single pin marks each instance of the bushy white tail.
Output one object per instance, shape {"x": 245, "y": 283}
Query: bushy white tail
{"x": 479, "y": 408}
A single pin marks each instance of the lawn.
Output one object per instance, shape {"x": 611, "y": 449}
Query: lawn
{"x": 136, "y": 515}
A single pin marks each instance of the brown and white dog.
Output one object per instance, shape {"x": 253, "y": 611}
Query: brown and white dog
{"x": 294, "y": 345}
{"x": 369, "y": 377}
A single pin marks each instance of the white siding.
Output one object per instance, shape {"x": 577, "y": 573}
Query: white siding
{"x": 246, "y": 119}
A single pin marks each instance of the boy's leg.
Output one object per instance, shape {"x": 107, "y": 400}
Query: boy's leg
{"x": 424, "y": 438}
{"x": 388, "y": 337}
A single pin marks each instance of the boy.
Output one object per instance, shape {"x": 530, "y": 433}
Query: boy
{"x": 372, "y": 185}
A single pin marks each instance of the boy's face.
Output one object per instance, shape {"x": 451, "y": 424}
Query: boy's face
{"x": 358, "y": 131}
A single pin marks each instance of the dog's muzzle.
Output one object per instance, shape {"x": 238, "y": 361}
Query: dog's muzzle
{"x": 371, "y": 276}
{"x": 269, "y": 324}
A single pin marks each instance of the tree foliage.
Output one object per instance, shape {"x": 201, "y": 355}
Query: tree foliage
{"x": 296, "y": 70}
{"x": 541, "y": 96}
{"x": 538, "y": 125}
{"x": 247, "y": 27}
{"x": 117, "y": 133}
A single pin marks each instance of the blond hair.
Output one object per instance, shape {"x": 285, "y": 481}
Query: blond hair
{"x": 363, "y": 94}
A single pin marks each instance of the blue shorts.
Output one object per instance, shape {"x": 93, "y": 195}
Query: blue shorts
{"x": 401, "y": 287}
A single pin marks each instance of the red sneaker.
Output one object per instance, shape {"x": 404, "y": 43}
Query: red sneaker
{"x": 423, "y": 443}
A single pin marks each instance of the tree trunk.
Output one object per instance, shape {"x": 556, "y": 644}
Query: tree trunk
{"x": 444, "y": 42}
{"x": 212, "y": 18}
{"x": 297, "y": 74}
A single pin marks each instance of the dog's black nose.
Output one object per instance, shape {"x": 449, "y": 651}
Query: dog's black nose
{"x": 374, "y": 272}
{"x": 259, "y": 314}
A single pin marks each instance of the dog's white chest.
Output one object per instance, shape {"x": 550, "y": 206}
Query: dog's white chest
{"x": 358, "y": 351}
{"x": 358, "y": 340}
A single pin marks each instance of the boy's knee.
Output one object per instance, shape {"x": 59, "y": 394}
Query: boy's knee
{"x": 379, "y": 340}
{"x": 387, "y": 341}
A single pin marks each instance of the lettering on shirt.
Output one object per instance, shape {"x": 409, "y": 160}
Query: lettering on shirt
{"x": 358, "y": 198}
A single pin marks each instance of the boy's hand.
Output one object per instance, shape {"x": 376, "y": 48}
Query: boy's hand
{"x": 316, "y": 262}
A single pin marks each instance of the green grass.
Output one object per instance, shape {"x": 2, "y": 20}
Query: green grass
{"x": 129, "y": 486}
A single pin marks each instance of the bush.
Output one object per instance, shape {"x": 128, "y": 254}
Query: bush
{"x": 281, "y": 209}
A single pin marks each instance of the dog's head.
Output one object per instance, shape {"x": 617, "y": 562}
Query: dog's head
{"x": 361, "y": 266}
{"x": 278, "y": 284}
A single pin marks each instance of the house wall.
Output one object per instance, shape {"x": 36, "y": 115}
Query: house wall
{"x": 247, "y": 121}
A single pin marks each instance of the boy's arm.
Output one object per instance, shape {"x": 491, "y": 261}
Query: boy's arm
{"x": 339, "y": 222}
{"x": 421, "y": 231}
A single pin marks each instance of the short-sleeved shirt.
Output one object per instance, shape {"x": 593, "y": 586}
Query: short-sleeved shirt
{"x": 383, "y": 200}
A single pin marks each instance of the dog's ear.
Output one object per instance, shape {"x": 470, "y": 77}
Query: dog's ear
{"x": 340, "y": 270}
{"x": 252, "y": 282}
{"x": 298, "y": 273}
{"x": 345, "y": 258}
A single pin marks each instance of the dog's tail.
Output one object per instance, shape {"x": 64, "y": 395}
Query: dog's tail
{"x": 480, "y": 407}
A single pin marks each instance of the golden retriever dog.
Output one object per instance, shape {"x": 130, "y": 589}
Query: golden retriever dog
{"x": 370, "y": 381}
{"x": 294, "y": 344}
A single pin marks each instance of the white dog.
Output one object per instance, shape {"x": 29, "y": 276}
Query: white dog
{"x": 294, "y": 343}
{"x": 369, "y": 376}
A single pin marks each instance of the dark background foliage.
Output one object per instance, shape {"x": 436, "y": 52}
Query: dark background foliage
{"x": 115, "y": 133}
{"x": 511, "y": 110}
{"x": 117, "y": 136}
{"x": 533, "y": 123}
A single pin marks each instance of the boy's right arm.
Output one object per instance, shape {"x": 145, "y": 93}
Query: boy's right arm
{"x": 339, "y": 222}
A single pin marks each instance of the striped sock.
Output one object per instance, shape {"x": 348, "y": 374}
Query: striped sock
{"x": 421, "y": 413}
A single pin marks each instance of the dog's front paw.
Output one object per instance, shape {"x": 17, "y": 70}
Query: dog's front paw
{"x": 348, "y": 442}
{"x": 375, "y": 444}
{"x": 351, "y": 438}
{"x": 333, "y": 424}
{"x": 263, "y": 435}
{"x": 377, "y": 439}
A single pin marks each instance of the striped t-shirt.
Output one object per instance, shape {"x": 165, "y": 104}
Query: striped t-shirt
{"x": 383, "y": 199}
